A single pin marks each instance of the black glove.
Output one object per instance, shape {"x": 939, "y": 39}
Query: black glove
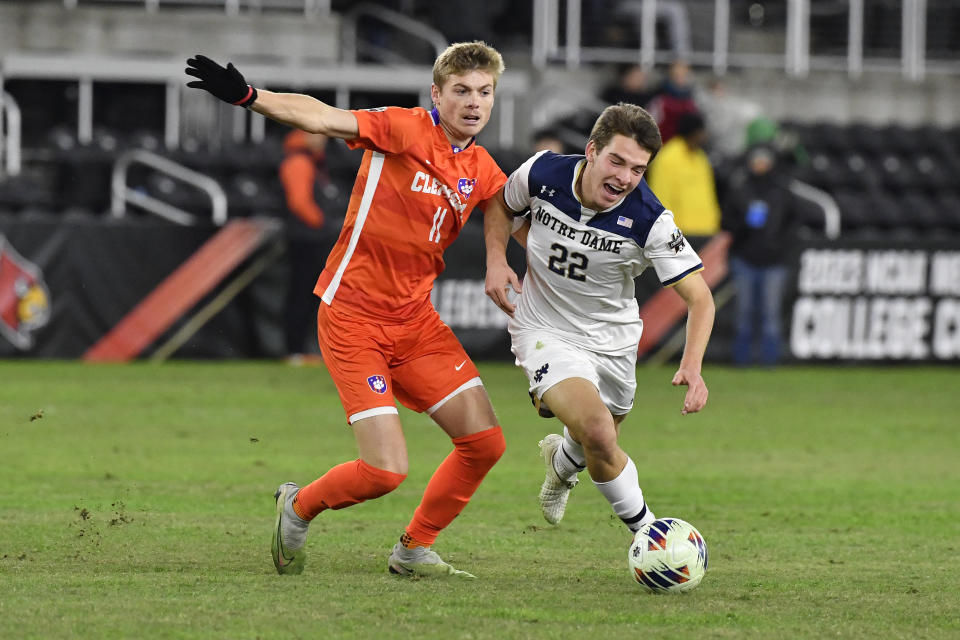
{"x": 227, "y": 84}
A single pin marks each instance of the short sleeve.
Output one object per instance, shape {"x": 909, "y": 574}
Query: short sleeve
{"x": 669, "y": 252}
{"x": 492, "y": 176}
{"x": 389, "y": 130}
{"x": 517, "y": 191}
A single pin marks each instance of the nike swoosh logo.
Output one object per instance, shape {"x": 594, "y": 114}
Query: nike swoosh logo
{"x": 284, "y": 560}
{"x": 460, "y": 366}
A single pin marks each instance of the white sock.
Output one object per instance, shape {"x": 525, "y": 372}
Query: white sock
{"x": 624, "y": 495}
{"x": 569, "y": 460}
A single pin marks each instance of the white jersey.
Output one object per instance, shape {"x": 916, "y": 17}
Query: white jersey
{"x": 581, "y": 263}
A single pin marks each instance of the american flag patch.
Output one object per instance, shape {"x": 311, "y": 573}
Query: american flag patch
{"x": 624, "y": 222}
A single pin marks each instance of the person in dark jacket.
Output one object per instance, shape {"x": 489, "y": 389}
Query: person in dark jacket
{"x": 304, "y": 174}
{"x": 760, "y": 213}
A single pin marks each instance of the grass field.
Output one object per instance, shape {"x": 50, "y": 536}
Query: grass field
{"x": 136, "y": 502}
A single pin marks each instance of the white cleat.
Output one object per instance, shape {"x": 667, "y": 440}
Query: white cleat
{"x": 289, "y": 533}
{"x": 555, "y": 490}
{"x": 422, "y": 562}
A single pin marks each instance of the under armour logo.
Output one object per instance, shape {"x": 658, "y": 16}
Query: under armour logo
{"x": 542, "y": 371}
{"x": 543, "y": 189}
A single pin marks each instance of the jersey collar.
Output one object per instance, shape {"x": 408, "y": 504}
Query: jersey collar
{"x": 436, "y": 122}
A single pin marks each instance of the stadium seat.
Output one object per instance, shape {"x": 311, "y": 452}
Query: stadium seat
{"x": 862, "y": 172}
{"x": 855, "y": 212}
{"x": 251, "y": 194}
{"x": 830, "y": 136}
{"x": 884, "y": 209}
{"x": 918, "y": 210}
{"x": 947, "y": 203}
{"x": 867, "y": 139}
{"x": 35, "y": 186}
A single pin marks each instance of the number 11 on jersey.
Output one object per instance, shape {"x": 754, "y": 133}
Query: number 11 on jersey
{"x": 437, "y": 221}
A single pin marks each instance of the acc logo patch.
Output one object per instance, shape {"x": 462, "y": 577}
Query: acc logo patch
{"x": 676, "y": 241}
{"x": 24, "y": 298}
{"x": 466, "y": 185}
{"x": 377, "y": 383}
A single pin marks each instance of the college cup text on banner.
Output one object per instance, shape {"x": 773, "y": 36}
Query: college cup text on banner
{"x": 876, "y": 303}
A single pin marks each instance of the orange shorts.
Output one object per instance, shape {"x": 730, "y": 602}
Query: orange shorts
{"x": 420, "y": 362}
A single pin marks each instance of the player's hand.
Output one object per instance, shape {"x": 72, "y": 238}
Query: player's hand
{"x": 501, "y": 278}
{"x": 696, "y": 396}
{"x": 225, "y": 83}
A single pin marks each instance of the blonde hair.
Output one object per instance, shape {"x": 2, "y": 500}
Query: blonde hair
{"x": 463, "y": 57}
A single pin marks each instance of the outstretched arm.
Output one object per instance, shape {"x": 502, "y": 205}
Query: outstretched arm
{"x": 497, "y": 225}
{"x": 695, "y": 292}
{"x": 293, "y": 109}
{"x": 307, "y": 113}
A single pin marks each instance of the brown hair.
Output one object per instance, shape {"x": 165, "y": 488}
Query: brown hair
{"x": 628, "y": 120}
{"x": 463, "y": 57}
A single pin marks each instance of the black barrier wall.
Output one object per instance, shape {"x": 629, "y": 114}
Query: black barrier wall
{"x": 65, "y": 282}
{"x": 78, "y": 277}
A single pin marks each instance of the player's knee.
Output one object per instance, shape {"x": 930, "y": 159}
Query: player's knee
{"x": 380, "y": 482}
{"x": 484, "y": 448}
{"x": 599, "y": 436}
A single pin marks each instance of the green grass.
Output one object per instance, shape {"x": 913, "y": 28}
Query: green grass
{"x": 139, "y": 504}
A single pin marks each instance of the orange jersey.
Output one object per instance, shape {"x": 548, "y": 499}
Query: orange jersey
{"x": 412, "y": 196}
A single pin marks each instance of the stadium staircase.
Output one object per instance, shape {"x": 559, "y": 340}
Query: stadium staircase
{"x": 215, "y": 263}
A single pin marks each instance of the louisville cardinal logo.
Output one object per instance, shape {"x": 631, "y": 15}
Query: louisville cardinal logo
{"x": 24, "y": 298}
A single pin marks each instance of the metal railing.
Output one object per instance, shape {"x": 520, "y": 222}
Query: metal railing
{"x": 310, "y": 8}
{"x": 350, "y": 44}
{"x": 9, "y": 135}
{"x": 122, "y": 194}
{"x": 831, "y": 212}
{"x": 795, "y": 55}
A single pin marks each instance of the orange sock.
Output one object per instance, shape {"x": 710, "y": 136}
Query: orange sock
{"x": 453, "y": 484}
{"x": 344, "y": 485}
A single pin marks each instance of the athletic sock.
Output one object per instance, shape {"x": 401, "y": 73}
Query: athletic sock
{"x": 569, "y": 459}
{"x": 344, "y": 485}
{"x": 453, "y": 484}
{"x": 625, "y": 496}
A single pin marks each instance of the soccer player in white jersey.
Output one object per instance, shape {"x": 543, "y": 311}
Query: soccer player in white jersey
{"x": 591, "y": 226}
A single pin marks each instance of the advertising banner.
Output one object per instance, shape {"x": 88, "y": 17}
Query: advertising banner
{"x": 877, "y": 301}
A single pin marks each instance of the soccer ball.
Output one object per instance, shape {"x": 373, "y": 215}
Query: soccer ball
{"x": 668, "y": 556}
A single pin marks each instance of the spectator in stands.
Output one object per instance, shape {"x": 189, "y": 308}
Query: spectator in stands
{"x": 682, "y": 177}
{"x": 760, "y": 212}
{"x": 728, "y": 117}
{"x": 304, "y": 175}
{"x": 674, "y": 97}
{"x": 632, "y": 86}
{"x": 548, "y": 140}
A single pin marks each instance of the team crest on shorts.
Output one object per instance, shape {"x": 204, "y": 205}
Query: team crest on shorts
{"x": 542, "y": 371}
{"x": 377, "y": 383}
{"x": 466, "y": 185}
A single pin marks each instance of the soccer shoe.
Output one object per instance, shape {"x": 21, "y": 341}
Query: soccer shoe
{"x": 421, "y": 561}
{"x": 289, "y": 533}
{"x": 555, "y": 490}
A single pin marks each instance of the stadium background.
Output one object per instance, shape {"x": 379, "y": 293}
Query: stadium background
{"x": 112, "y": 174}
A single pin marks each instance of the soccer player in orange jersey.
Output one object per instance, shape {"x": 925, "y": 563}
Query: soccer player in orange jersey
{"x": 422, "y": 173}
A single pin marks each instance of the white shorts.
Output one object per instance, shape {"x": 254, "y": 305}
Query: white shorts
{"x": 547, "y": 360}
